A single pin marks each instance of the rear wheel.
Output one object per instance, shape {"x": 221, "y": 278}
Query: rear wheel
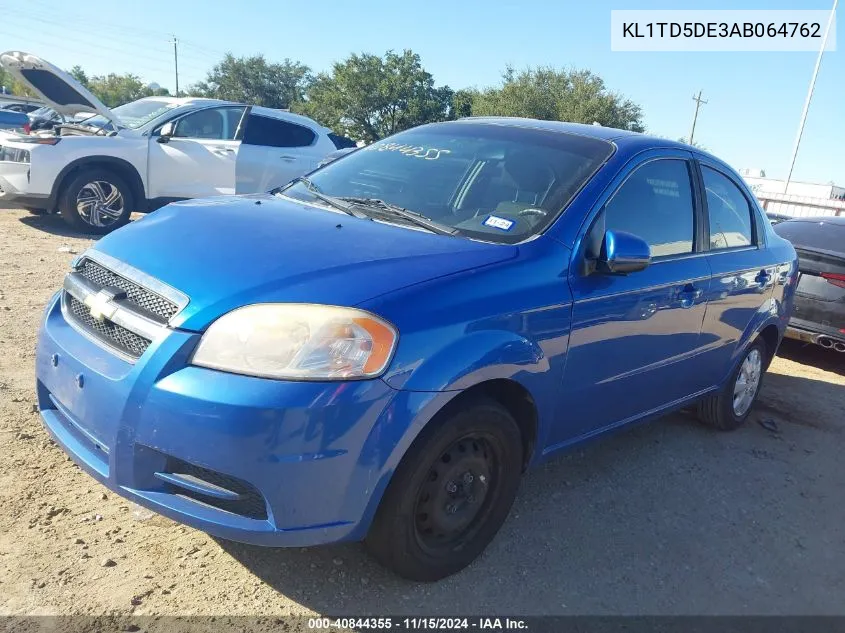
{"x": 96, "y": 201}
{"x": 728, "y": 409}
{"x": 450, "y": 495}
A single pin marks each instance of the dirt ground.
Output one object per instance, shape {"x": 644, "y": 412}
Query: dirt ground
{"x": 666, "y": 518}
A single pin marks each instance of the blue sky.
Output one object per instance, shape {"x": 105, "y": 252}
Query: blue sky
{"x": 755, "y": 99}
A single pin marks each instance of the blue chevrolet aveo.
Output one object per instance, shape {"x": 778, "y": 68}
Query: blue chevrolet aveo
{"x": 378, "y": 351}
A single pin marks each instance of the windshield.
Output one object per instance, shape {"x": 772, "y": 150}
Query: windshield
{"x": 134, "y": 115}
{"x": 43, "y": 111}
{"x": 496, "y": 183}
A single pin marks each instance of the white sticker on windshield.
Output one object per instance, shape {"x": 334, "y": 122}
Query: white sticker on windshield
{"x": 414, "y": 151}
{"x": 498, "y": 223}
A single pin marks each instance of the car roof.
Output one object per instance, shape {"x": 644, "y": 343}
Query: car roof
{"x": 187, "y": 100}
{"x": 595, "y": 131}
{"x": 288, "y": 116}
{"x": 618, "y": 136}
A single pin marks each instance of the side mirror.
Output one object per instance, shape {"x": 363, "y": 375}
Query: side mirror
{"x": 166, "y": 132}
{"x": 623, "y": 253}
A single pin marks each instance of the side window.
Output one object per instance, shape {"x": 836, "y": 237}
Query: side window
{"x": 217, "y": 124}
{"x": 262, "y": 130}
{"x": 655, "y": 203}
{"x": 729, "y": 211}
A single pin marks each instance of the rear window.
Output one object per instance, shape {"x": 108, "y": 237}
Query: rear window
{"x": 815, "y": 234}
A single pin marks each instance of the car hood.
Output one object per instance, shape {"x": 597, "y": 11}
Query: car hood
{"x": 58, "y": 89}
{"x": 231, "y": 251}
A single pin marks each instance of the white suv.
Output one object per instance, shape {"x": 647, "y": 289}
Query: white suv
{"x": 147, "y": 153}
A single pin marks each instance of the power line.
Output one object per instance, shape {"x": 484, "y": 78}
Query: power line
{"x": 160, "y": 67}
{"x": 122, "y": 51}
{"x": 176, "y": 63}
{"x": 809, "y": 96}
{"x": 698, "y": 101}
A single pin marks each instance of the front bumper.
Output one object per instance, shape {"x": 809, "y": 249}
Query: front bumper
{"x": 15, "y": 186}
{"x": 248, "y": 459}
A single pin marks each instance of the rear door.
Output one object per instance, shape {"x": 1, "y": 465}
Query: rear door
{"x": 744, "y": 272}
{"x": 275, "y": 151}
{"x": 200, "y": 157}
{"x": 820, "y": 295}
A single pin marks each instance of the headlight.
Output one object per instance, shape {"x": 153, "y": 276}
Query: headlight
{"x": 298, "y": 341}
{"x": 13, "y": 155}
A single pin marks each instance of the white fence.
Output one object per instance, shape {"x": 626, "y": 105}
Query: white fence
{"x": 799, "y": 206}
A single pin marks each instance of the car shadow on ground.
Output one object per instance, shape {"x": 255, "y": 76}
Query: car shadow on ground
{"x": 52, "y": 223}
{"x": 813, "y": 355}
{"x": 624, "y": 523}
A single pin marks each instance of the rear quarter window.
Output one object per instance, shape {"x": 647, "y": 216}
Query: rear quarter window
{"x": 262, "y": 130}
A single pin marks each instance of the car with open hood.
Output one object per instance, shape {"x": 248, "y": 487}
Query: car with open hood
{"x": 377, "y": 351}
{"x": 141, "y": 155}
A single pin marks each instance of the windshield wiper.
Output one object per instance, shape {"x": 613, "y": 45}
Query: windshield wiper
{"x": 411, "y": 216}
{"x": 337, "y": 203}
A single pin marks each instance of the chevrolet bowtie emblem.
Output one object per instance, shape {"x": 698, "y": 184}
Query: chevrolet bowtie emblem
{"x": 102, "y": 305}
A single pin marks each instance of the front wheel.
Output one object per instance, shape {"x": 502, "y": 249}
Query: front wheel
{"x": 728, "y": 409}
{"x": 96, "y": 201}
{"x": 450, "y": 494}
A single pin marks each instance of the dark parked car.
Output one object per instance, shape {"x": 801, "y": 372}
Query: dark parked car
{"x": 819, "y": 314}
{"x": 776, "y": 218}
{"x": 10, "y": 119}
{"x": 25, "y": 108}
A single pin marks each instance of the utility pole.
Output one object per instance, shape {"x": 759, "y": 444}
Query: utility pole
{"x": 698, "y": 101}
{"x": 176, "y": 63}
{"x": 809, "y": 96}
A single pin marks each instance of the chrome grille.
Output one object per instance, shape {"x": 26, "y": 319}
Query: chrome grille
{"x": 110, "y": 333}
{"x": 156, "y": 306}
{"x": 113, "y": 304}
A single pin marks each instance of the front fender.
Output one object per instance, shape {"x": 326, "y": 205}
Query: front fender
{"x": 468, "y": 360}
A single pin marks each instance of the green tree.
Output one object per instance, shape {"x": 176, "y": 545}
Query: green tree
{"x": 5, "y": 81}
{"x": 254, "y": 81}
{"x": 369, "y": 97}
{"x": 13, "y": 86}
{"x": 695, "y": 143}
{"x": 77, "y": 73}
{"x": 578, "y": 96}
{"x": 462, "y": 103}
{"x": 114, "y": 90}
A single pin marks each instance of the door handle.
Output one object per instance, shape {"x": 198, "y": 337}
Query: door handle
{"x": 222, "y": 150}
{"x": 688, "y": 295}
{"x": 287, "y": 157}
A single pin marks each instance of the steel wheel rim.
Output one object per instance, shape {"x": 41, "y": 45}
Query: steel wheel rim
{"x": 99, "y": 203}
{"x": 459, "y": 491}
{"x": 747, "y": 382}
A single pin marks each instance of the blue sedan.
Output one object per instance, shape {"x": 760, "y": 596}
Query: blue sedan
{"x": 377, "y": 352}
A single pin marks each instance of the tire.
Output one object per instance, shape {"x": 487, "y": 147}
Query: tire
{"x": 719, "y": 410}
{"x": 450, "y": 494}
{"x": 94, "y": 188}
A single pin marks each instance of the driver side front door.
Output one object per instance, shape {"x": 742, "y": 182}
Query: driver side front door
{"x": 636, "y": 337}
{"x": 200, "y": 158}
